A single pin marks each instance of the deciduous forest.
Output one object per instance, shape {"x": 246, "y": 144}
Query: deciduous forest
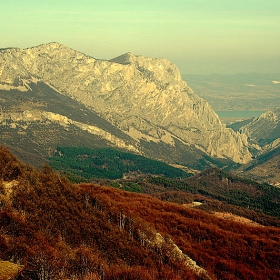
{"x": 54, "y": 229}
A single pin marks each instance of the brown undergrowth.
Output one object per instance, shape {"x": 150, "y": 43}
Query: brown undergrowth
{"x": 58, "y": 230}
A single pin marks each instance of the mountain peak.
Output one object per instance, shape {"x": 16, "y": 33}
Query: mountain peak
{"x": 124, "y": 59}
{"x": 54, "y": 45}
{"x": 50, "y": 46}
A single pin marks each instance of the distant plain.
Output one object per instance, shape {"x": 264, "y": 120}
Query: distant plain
{"x": 237, "y": 97}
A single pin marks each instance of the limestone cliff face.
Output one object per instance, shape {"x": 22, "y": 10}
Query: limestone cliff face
{"x": 144, "y": 97}
{"x": 267, "y": 126}
{"x": 263, "y": 132}
{"x": 25, "y": 118}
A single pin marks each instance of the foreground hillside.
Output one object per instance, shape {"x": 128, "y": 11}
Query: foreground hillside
{"x": 58, "y": 230}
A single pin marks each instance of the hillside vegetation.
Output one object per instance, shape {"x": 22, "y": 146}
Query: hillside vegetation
{"x": 217, "y": 188}
{"x": 232, "y": 189}
{"x": 58, "y": 230}
{"x": 83, "y": 164}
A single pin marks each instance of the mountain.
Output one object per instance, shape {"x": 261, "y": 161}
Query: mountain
{"x": 264, "y": 130}
{"x": 52, "y": 95}
{"x": 35, "y": 122}
{"x": 263, "y": 135}
{"x": 52, "y": 229}
{"x": 264, "y": 167}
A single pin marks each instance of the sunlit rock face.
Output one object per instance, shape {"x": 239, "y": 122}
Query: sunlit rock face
{"x": 266, "y": 127}
{"x": 263, "y": 132}
{"x": 143, "y": 97}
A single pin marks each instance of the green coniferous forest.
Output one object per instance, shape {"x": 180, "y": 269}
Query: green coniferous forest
{"x": 84, "y": 164}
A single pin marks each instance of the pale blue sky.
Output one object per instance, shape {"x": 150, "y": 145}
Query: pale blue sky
{"x": 199, "y": 36}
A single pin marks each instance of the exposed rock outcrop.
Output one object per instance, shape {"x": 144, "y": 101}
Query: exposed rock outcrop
{"x": 143, "y": 97}
{"x": 166, "y": 246}
{"x": 265, "y": 129}
{"x": 22, "y": 119}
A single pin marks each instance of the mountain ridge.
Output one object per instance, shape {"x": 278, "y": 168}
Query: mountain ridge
{"x": 145, "y": 99}
{"x": 263, "y": 135}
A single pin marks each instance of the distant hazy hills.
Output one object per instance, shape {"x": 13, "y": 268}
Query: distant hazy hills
{"x": 54, "y": 96}
{"x": 254, "y": 92}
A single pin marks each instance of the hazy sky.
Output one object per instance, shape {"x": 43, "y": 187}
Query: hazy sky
{"x": 199, "y": 36}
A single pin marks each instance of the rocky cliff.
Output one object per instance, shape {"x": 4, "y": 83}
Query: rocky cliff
{"x": 144, "y": 98}
{"x": 264, "y": 130}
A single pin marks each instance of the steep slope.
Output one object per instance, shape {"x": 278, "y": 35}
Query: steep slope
{"x": 57, "y": 230}
{"x": 35, "y": 122}
{"x": 265, "y": 129}
{"x": 264, "y": 136}
{"x": 265, "y": 167}
{"x": 145, "y": 98}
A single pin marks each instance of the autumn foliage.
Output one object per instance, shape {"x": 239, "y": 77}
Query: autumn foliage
{"x": 58, "y": 230}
